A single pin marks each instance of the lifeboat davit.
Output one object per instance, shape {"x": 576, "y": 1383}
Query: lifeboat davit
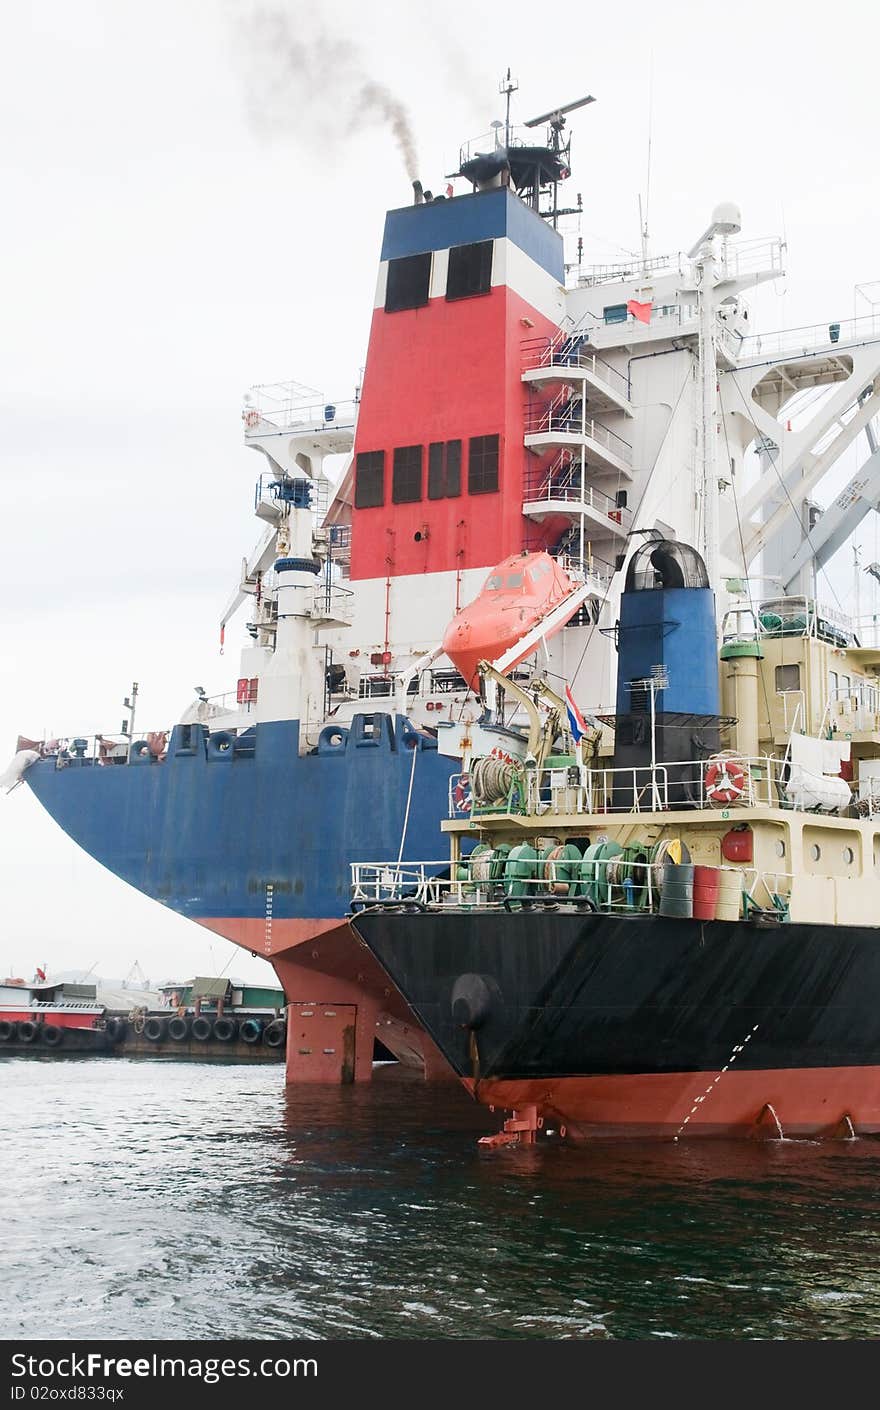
{"x": 515, "y": 597}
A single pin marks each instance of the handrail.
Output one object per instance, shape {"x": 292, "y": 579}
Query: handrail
{"x": 734, "y": 783}
{"x": 812, "y": 336}
{"x": 563, "y": 481}
{"x": 610, "y": 884}
{"x": 568, "y": 413}
{"x": 566, "y": 349}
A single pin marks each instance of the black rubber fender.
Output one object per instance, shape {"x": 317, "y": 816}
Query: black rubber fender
{"x": 7, "y": 1030}
{"x": 472, "y": 1000}
{"x": 28, "y": 1032}
{"x": 115, "y": 1028}
{"x": 51, "y": 1036}
{"x": 178, "y": 1028}
{"x": 250, "y": 1030}
{"x": 155, "y": 1029}
{"x": 275, "y": 1034}
{"x": 225, "y": 1029}
{"x": 201, "y": 1028}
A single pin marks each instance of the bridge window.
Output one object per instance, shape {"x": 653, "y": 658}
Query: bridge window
{"x": 615, "y": 313}
{"x": 470, "y": 270}
{"x": 369, "y": 485}
{"x": 483, "y": 464}
{"x": 444, "y": 469}
{"x": 408, "y": 281}
{"x": 407, "y": 481}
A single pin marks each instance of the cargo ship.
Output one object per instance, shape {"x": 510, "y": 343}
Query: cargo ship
{"x": 515, "y": 401}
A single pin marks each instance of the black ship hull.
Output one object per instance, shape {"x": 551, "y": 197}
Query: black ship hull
{"x": 646, "y": 1025}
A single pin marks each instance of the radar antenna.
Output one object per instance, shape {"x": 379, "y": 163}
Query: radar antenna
{"x": 556, "y": 118}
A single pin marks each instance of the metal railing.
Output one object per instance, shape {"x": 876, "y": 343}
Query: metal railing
{"x": 563, "y": 480}
{"x": 803, "y": 616}
{"x": 589, "y": 275}
{"x": 722, "y": 782}
{"x": 812, "y": 337}
{"x": 332, "y": 603}
{"x": 567, "y": 349}
{"x": 492, "y": 881}
{"x": 291, "y": 406}
{"x": 568, "y": 414}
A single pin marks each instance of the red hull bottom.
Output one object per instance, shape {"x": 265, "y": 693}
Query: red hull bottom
{"x": 794, "y": 1102}
{"x": 340, "y": 1000}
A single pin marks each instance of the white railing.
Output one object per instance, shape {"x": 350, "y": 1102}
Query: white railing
{"x": 566, "y": 350}
{"x": 490, "y": 882}
{"x": 721, "y": 782}
{"x": 813, "y": 336}
{"x": 569, "y": 415}
{"x": 566, "y": 483}
{"x": 389, "y": 881}
{"x": 333, "y": 603}
{"x": 291, "y": 406}
{"x": 589, "y": 275}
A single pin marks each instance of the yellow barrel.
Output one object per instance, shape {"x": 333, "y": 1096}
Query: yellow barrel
{"x": 730, "y": 893}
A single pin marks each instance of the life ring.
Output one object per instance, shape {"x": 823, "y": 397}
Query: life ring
{"x": 725, "y": 781}
{"x": 461, "y": 794}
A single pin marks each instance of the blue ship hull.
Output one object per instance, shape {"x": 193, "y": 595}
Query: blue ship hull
{"x": 208, "y": 831}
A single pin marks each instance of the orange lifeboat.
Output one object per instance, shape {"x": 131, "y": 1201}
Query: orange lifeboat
{"x": 515, "y": 597}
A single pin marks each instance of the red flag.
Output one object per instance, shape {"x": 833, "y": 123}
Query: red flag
{"x": 449, "y": 189}
{"x": 640, "y": 311}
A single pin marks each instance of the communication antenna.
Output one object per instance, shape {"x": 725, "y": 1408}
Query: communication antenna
{"x": 507, "y": 86}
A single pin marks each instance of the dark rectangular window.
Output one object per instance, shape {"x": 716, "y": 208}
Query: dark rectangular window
{"x": 369, "y": 481}
{"x": 615, "y": 313}
{"x": 408, "y": 280}
{"x": 470, "y": 270}
{"x": 407, "y": 482}
{"x": 483, "y": 465}
{"x": 444, "y": 469}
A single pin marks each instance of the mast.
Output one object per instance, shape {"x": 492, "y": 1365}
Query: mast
{"x": 725, "y": 221}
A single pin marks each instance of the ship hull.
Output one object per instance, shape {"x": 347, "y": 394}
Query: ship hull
{"x": 645, "y": 1025}
{"x": 256, "y": 844}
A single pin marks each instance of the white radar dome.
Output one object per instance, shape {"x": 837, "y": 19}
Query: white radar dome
{"x": 727, "y": 218}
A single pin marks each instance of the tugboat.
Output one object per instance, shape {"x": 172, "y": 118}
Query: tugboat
{"x": 54, "y": 1017}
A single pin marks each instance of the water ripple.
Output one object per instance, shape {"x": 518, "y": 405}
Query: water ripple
{"x": 196, "y": 1201}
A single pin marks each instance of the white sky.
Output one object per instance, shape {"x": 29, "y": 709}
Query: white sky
{"x": 162, "y": 251}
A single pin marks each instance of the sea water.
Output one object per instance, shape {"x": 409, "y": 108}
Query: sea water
{"x": 151, "y": 1200}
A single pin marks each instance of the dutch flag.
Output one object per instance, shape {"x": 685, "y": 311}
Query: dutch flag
{"x": 576, "y": 722}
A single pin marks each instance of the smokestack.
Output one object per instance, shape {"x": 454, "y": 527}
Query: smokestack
{"x": 418, "y": 194}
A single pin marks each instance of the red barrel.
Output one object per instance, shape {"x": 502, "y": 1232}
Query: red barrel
{"x": 706, "y": 883}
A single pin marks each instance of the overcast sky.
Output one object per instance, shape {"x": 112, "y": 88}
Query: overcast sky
{"x": 191, "y": 205}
